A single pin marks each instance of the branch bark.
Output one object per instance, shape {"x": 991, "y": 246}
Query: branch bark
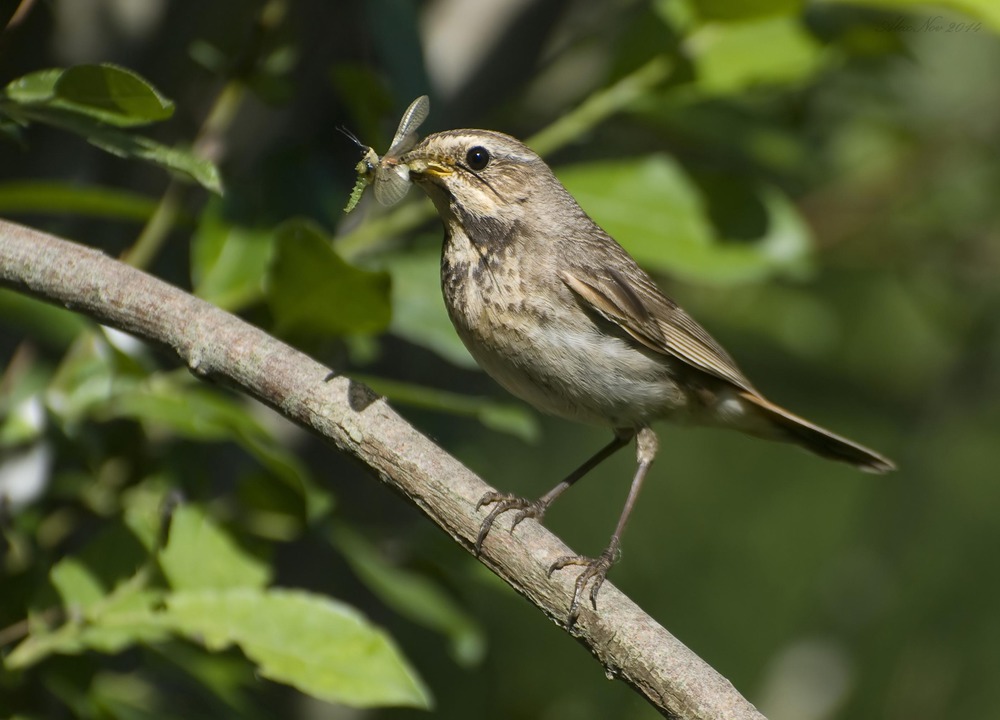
{"x": 219, "y": 346}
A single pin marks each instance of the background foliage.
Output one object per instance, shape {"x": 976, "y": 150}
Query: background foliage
{"x": 816, "y": 182}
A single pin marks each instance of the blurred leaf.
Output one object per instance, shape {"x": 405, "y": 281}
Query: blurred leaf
{"x": 517, "y": 420}
{"x": 200, "y": 556}
{"x": 653, "y": 30}
{"x": 730, "y": 57}
{"x": 122, "y": 620}
{"x": 48, "y": 324}
{"x": 512, "y": 418}
{"x": 106, "y": 93}
{"x": 193, "y": 411}
{"x": 59, "y": 197}
{"x": 11, "y": 131}
{"x": 742, "y": 9}
{"x": 22, "y": 412}
{"x": 418, "y": 311}
{"x": 312, "y": 290}
{"x": 83, "y": 380}
{"x": 209, "y": 57}
{"x": 227, "y": 675}
{"x": 320, "y": 646}
{"x": 653, "y": 209}
{"x": 228, "y": 261}
{"x": 274, "y": 511}
{"x": 76, "y": 585}
{"x": 270, "y": 80}
{"x": 95, "y": 620}
{"x": 413, "y": 596}
{"x": 126, "y": 695}
{"x": 144, "y": 507}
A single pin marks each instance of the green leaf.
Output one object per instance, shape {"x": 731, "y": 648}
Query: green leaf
{"x": 228, "y": 261}
{"x": 83, "y": 381}
{"x": 104, "y": 93}
{"x": 126, "y": 618}
{"x": 652, "y": 208}
{"x": 52, "y": 326}
{"x": 125, "y": 695}
{"x": 317, "y": 645}
{"x": 730, "y": 57}
{"x": 94, "y": 101}
{"x": 418, "y": 311}
{"x": 510, "y": 418}
{"x": 22, "y": 414}
{"x": 200, "y": 556}
{"x": 112, "y": 95}
{"x": 144, "y": 506}
{"x": 414, "y": 596}
{"x": 34, "y": 88}
{"x": 742, "y": 9}
{"x": 175, "y": 402}
{"x": 320, "y": 646}
{"x": 96, "y": 620}
{"x": 311, "y": 290}
{"x": 179, "y": 160}
{"x": 58, "y": 197}
{"x": 76, "y": 585}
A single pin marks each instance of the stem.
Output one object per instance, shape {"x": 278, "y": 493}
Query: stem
{"x": 599, "y": 106}
{"x": 208, "y": 143}
{"x": 156, "y": 229}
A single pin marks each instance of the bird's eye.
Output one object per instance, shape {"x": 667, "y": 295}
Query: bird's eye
{"x": 478, "y": 157}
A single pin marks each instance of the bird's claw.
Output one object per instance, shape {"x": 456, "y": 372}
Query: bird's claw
{"x": 594, "y": 571}
{"x": 504, "y": 502}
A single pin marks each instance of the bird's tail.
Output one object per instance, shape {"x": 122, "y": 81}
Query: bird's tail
{"x": 814, "y": 438}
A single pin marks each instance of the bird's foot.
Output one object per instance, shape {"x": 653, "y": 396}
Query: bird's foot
{"x": 594, "y": 572}
{"x": 503, "y": 502}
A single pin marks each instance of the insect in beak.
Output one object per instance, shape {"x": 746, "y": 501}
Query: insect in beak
{"x": 389, "y": 177}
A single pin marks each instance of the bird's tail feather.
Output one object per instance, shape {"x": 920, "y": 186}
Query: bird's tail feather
{"x": 818, "y": 440}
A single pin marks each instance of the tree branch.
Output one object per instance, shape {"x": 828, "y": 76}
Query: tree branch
{"x": 219, "y": 346}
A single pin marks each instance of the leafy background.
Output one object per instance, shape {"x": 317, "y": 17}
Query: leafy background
{"x": 816, "y": 182}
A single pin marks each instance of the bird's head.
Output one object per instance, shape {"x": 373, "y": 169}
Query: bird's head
{"x": 480, "y": 174}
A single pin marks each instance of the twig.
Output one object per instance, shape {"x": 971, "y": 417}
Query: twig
{"x": 219, "y": 346}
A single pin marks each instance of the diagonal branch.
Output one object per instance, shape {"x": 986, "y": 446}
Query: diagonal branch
{"x": 219, "y": 346}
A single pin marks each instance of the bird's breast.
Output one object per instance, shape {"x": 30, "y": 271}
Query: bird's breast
{"x": 526, "y": 330}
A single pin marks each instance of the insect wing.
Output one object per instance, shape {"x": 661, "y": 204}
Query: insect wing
{"x": 392, "y": 181}
{"x": 406, "y": 133}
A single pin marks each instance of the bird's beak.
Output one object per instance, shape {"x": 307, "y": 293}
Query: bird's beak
{"x": 422, "y": 165}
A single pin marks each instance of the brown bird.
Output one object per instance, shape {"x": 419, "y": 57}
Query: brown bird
{"x": 564, "y": 318}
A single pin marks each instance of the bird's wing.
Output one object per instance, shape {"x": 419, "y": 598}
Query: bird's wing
{"x": 638, "y": 307}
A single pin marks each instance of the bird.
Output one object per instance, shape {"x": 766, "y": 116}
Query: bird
{"x": 561, "y": 316}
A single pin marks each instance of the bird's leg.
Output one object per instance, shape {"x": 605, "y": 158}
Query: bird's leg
{"x": 595, "y": 569}
{"x": 503, "y": 502}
